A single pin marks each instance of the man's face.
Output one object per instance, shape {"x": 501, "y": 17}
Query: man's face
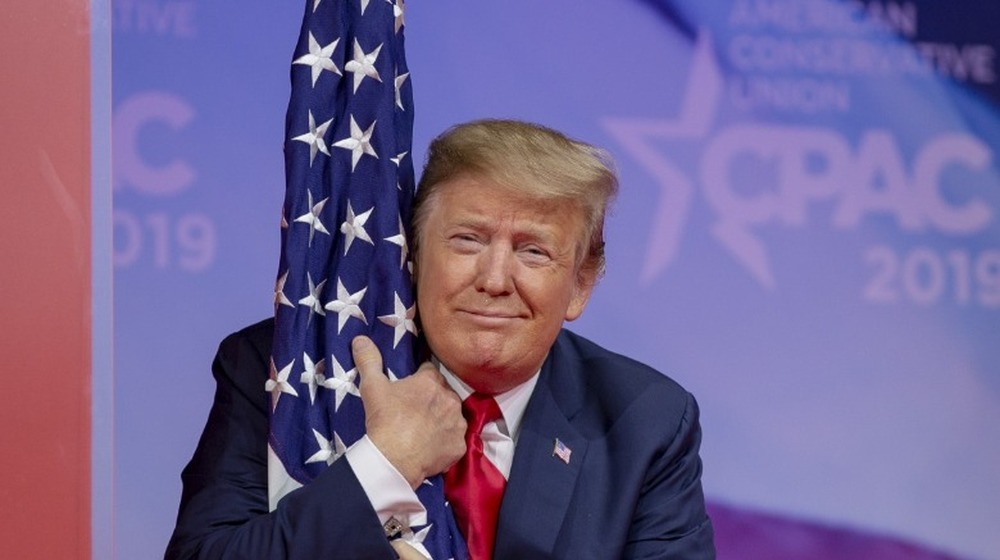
{"x": 496, "y": 275}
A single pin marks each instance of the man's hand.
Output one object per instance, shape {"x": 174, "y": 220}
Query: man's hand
{"x": 405, "y": 551}
{"x": 416, "y": 422}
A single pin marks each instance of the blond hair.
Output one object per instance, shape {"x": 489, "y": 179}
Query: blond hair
{"x": 531, "y": 159}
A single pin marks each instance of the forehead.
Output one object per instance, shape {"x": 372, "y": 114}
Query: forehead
{"x": 473, "y": 199}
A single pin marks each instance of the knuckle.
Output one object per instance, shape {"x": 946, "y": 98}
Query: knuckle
{"x": 365, "y": 363}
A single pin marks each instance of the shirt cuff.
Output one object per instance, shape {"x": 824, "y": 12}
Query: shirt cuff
{"x": 387, "y": 490}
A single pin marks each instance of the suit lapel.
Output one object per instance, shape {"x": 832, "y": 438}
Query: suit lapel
{"x": 541, "y": 484}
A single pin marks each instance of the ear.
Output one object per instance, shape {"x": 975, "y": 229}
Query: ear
{"x": 581, "y": 294}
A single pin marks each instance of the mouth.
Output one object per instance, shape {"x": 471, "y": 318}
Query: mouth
{"x": 490, "y": 315}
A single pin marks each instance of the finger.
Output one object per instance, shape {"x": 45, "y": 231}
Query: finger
{"x": 405, "y": 551}
{"x": 428, "y": 368}
{"x": 368, "y": 360}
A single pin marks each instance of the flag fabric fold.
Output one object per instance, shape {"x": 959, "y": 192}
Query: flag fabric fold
{"x": 345, "y": 266}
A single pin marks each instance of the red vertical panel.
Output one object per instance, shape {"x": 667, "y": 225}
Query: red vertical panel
{"x": 45, "y": 276}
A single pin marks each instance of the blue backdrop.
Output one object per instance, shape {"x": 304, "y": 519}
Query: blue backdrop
{"x": 807, "y": 235}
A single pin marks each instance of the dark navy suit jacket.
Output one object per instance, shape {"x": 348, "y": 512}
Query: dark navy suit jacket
{"x": 631, "y": 489}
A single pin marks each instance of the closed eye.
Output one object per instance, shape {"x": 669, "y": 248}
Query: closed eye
{"x": 465, "y": 242}
{"x": 533, "y": 254}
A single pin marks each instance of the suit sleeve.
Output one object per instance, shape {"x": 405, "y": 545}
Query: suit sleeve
{"x": 670, "y": 520}
{"x": 224, "y": 505}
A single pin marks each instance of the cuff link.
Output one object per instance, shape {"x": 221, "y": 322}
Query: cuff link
{"x": 393, "y": 528}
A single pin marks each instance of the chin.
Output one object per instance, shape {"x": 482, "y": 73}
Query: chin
{"x": 492, "y": 377}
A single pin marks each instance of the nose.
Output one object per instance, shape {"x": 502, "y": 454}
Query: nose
{"x": 495, "y": 271}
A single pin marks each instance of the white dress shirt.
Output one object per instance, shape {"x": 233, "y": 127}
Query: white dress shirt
{"x": 389, "y": 492}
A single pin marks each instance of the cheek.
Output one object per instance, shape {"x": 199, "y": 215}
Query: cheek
{"x": 433, "y": 297}
{"x": 427, "y": 301}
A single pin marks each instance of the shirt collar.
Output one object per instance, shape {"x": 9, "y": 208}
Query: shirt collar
{"x": 512, "y": 403}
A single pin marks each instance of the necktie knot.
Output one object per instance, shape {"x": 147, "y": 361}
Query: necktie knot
{"x": 479, "y": 409}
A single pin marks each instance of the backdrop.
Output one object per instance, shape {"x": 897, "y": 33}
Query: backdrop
{"x": 807, "y": 236}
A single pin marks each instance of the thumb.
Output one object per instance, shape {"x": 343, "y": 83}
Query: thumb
{"x": 368, "y": 360}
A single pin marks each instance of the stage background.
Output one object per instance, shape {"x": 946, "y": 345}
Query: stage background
{"x": 807, "y": 236}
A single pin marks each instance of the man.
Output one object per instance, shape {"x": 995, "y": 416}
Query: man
{"x": 598, "y": 454}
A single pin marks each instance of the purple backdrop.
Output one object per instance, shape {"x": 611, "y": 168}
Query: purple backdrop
{"x": 807, "y": 237}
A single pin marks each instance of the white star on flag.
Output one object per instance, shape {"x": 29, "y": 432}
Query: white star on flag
{"x": 398, "y": 82}
{"x": 329, "y": 450}
{"x": 396, "y": 160}
{"x": 401, "y": 320}
{"x": 312, "y": 217}
{"x": 346, "y": 305}
{"x": 312, "y": 376}
{"x": 279, "y": 292}
{"x": 342, "y": 382}
{"x": 312, "y": 300}
{"x": 416, "y": 540}
{"x": 315, "y": 138}
{"x": 364, "y": 6}
{"x": 354, "y": 226}
{"x": 363, "y": 65}
{"x": 278, "y": 382}
{"x": 400, "y": 239}
{"x": 398, "y": 14}
{"x": 319, "y": 58}
{"x": 359, "y": 143}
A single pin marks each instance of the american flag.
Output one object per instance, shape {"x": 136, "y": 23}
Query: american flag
{"x": 344, "y": 267}
{"x": 562, "y": 451}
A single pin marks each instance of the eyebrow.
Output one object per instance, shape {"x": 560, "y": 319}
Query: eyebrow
{"x": 532, "y": 231}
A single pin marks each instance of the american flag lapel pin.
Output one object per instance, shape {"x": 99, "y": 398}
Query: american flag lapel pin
{"x": 562, "y": 451}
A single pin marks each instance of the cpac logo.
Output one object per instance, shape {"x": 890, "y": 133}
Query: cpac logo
{"x": 792, "y": 167}
{"x": 168, "y": 237}
{"x": 149, "y": 109}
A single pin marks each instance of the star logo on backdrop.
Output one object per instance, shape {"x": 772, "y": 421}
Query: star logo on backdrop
{"x": 363, "y": 65}
{"x": 359, "y": 143}
{"x": 312, "y": 377}
{"x": 278, "y": 383}
{"x": 312, "y": 217}
{"x": 641, "y": 138}
{"x": 315, "y": 138}
{"x": 312, "y": 300}
{"x": 347, "y": 305}
{"x": 401, "y": 320}
{"x": 342, "y": 382}
{"x": 319, "y": 58}
{"x": 329, "y": 450}
{"x": 354, "y": 227}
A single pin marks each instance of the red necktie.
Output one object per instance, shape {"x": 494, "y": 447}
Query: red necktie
{"x": 473, "y": 485}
